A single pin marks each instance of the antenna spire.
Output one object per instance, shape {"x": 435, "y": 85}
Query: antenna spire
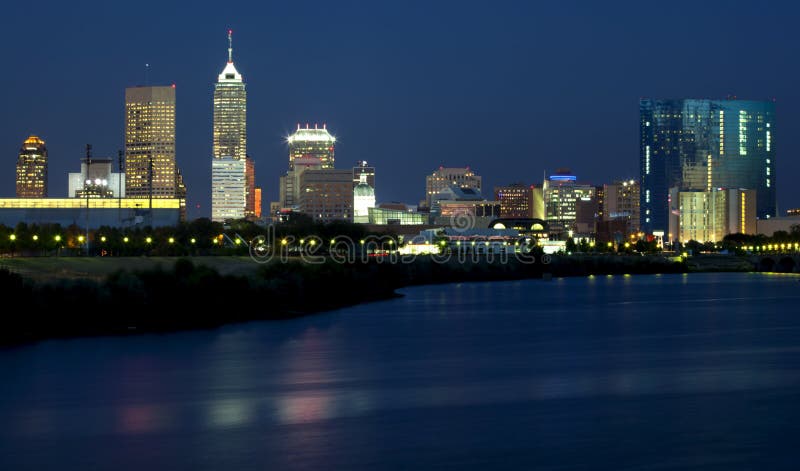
{"x": 230, "y": 45}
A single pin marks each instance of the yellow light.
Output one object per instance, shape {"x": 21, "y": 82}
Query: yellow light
{"x": 284, "y": 241}
{"x": 362, "y": 241}
{"x": 171, "y": 240}
{"x": 149, "y": 240}
{"x": 302, "y": 240}
{"x": 391, "y": 242}
{"x": 80, "y": 238}
{"x": 35, "y": 237}
{"x": 312, "y": 242}
{"x": 627, "y": 244}
{"x": 333, "y": 241}
{"x": 125, "y": 239}
{"x": 12, "y": 237}
{"x": 591, "y": 244}
{"x": 238, "y": 241}
{"x": 610, "y": 244}
{"x": 57, "y": 238}
{"x": 193, "y": 240}
{"x": 103, "y": 239}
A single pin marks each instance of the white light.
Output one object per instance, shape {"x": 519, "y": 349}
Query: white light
{"x": 97, "y": 181}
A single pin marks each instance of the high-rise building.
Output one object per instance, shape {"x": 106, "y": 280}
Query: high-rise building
{"x": 290, "y": 183}
{"x": 516, "y": 200}
{"x": 32, "y": 169}
{"x": 621, "y": 202}
{"x": 562, "y": 196}
{"x": 363, "y": 200}
{"x": 326, "y": 194}
{"x": 363, "y": 168}
{"x": 150, "y": 167}
{"x": 443, "y": 177}
{"x": 250, "y": 190}
{"x": 229, "y": 188}
{"x": 308, "y": 142}
{"x": 704, "y": 144}
{"x": 230, "y": 111}
{"x": 230, "y": 143}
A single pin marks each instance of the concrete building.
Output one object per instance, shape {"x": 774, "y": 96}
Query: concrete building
{"x": 326, "y": 194}
{"x": 32, "y": 169}
{"x": 444, "y": 177}
{"x": 150, "y": 166}
{"x": 229, "y": 188}
{"x": 769, "y": 226}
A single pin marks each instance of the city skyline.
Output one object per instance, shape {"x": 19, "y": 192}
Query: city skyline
{"x": 445, "y": 117}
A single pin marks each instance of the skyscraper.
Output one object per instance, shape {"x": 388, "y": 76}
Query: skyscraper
{"x": 32, "y": 169}
{"x": 230, "y": 111}
{"x": 230, "y": 146}
{"x": 622, "y": 199}
{"x": 150, "y": 143}
{"x": 564, "y": 199}
{"x": 308, "y": 142}
{"x": 701, "y": 145}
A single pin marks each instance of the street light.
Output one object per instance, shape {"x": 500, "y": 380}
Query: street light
{"x": 12, "y": 237}
{"x": 35, "y": 237}
{"x": 103, "y": 239}
{"x": 194, "y": 241}
{"x": 149, "y": 240}
{"x": 81, "y": 238}
{"x": 125, "y": 239}
{"x": 57, "y": 238}
{"x": 171, "y": 240}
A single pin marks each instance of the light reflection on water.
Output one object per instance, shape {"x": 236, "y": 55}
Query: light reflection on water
{"x": 687, "y": 371}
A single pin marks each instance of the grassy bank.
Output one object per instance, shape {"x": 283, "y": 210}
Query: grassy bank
{"x": 96, "y": 296}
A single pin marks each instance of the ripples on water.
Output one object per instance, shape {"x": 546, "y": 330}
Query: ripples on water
{"x": 649, "y": 372}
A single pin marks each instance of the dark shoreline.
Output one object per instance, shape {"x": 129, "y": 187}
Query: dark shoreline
{"x": 191, "y": 296}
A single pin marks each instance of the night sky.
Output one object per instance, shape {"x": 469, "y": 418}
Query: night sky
{"x": 510, "y": 89}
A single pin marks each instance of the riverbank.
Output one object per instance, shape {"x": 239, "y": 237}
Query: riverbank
{"x": 114, "y": 296}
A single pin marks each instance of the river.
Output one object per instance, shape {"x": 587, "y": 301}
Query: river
{"x": 662, "y": 372}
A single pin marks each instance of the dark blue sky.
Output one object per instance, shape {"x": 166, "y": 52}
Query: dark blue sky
{"x": 510, "y": 88}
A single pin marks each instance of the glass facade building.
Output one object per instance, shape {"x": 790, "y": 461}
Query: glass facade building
{"x": 699, "y": 145}
{"x": 32, "y": 169}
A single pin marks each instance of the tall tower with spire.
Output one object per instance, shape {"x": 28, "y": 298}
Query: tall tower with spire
{"x": 229, "y": 172}
{"x": 230, "y": 111}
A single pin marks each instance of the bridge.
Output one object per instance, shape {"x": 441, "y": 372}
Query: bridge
{"x": 776, "y": 262}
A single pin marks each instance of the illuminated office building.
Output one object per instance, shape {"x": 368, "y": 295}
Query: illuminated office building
{"x": 313, "y": 142}
{"x": 326, "y": 194}
{"x": 113, "y": 212}
{"x": 32, "y": 169}
{"x": 621, "y": 201}
{"x": 708, "y": 216}
{"x": 516, "y": 200}
{"x": 232, "y": 170}
{"x": 699, "y": 145}
{"x": 444, "y": 177}
{"x": 150, "y": 143}
{"x": 229, "y": 189}
{"x": 257, "y": 202}
{"x": 230, "y": 111}
{"x": 563, "y": 196}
